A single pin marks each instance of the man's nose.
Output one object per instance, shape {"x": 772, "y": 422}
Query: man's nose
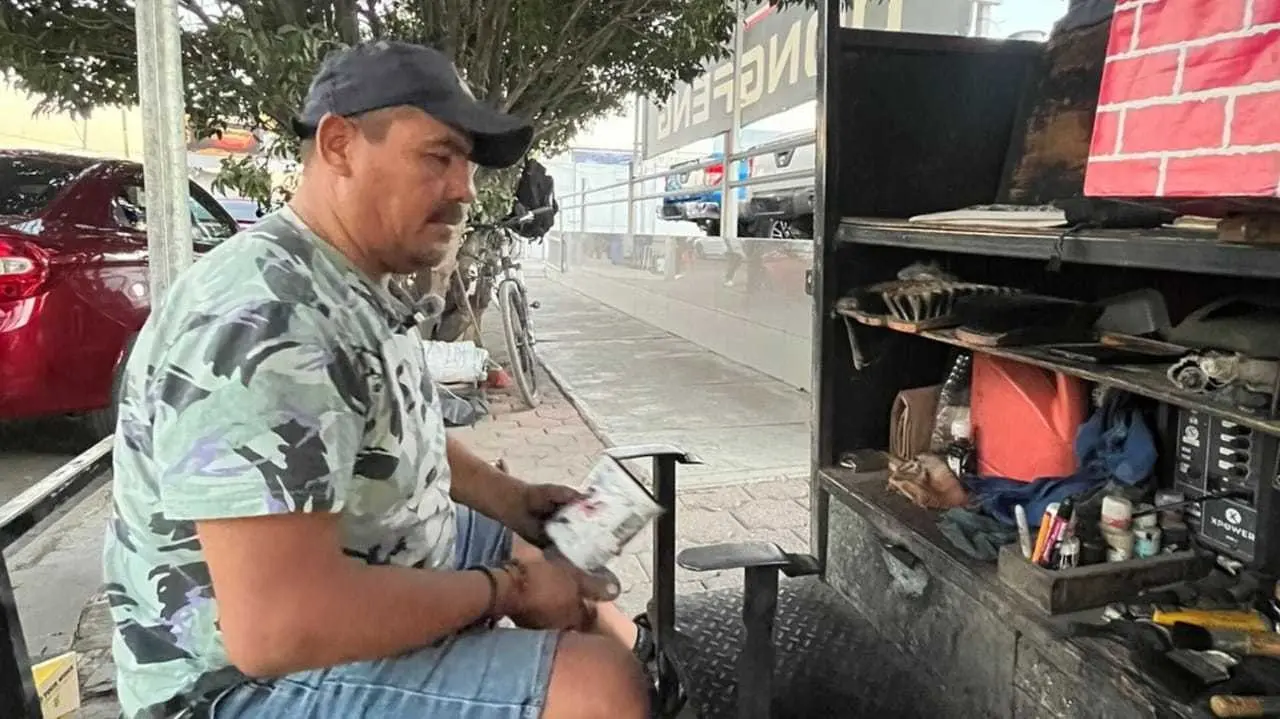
{"x": 462, "y": 185}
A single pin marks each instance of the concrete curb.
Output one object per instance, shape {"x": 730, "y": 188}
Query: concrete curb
{"x": 566, "y": 389}
{"x": 561, "y": 383}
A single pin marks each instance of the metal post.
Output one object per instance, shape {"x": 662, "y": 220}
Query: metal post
{"x": 755, "y": 661}
{"x": 894, "y": 21}
{"x": 856, "y": 15}
{"x": 662, "y": 609}
{"x": 18, "y": 697}
{"x": 728, "y": 198}
{"x": 635, "y": 166}
{"x": 160, "y": 90}
{"x": 631, "y": 200}
{"x": 983, "y": 17}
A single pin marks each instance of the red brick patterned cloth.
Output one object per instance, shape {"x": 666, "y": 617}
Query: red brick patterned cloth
{"x": 1190, "y": 103}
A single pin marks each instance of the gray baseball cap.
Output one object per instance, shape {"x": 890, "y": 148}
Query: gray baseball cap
{"x": 380, "y": 74}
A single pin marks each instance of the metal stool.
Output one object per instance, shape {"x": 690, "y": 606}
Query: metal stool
{"x": 761, "y": 561}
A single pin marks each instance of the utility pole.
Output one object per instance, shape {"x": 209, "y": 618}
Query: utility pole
{"x": 160, "y": 89}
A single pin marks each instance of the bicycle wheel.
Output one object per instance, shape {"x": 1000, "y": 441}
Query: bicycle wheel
{"x": 515, "y": 329}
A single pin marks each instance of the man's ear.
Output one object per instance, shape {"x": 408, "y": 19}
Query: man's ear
{"x": 335, "y": 136}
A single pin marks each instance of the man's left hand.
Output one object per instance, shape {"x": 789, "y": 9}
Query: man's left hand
{"x": 535, "y": 506}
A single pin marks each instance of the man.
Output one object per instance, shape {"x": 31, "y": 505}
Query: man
{"x": 293, "y": 534}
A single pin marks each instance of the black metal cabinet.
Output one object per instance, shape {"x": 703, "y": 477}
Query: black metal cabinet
{"x": 912, "y": 124}
{"x": 980, "y": 651}
{"x": 1042, "y": 689}
{"x": 965, "y": 653}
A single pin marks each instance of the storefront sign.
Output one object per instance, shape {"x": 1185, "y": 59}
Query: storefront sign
{"x": 780, "y": 67}
{"x": 779, "y": 71}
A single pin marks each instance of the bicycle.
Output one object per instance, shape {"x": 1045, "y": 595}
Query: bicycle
{"x": 489, "y": 268}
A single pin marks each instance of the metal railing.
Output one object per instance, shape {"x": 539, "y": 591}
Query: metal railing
{"x": 18, "y": 516}
{"x": 781, "y": 145}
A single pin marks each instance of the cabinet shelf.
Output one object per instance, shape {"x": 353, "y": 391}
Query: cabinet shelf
{"x": 1144, "y": 380}
{"x": 1171, "y": 249}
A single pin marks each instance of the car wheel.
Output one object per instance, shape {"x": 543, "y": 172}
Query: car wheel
{"x": 102, "y": 423}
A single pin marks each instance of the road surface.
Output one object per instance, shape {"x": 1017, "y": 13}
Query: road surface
{"x": 31, "y": 450}
{"x": 66, "y": 548}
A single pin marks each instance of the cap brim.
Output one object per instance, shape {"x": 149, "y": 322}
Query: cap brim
{"x": 499, "y": 140}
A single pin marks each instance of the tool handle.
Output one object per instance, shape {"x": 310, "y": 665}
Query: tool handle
{"x": 1263, "y": 644}
{"x": 1224, "y": 705}
{"x": 1245, "y": 621}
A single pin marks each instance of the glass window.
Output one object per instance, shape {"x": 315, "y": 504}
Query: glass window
{"x": 246, "y": 212}
{"x": 210, "y": 224}
{"x": 129, "y": 207}
{"x": 28, "y": 183}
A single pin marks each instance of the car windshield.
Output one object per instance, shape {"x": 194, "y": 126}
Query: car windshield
{"x": 29, "y": 182}
{"x": 240, "y": 209}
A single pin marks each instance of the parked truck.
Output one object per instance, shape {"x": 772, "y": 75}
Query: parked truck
{"x": 781, "y": 209}
{"x": 701, "y": 207}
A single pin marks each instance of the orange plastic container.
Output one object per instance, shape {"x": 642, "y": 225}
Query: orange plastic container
{"x": 1024, "y": 419}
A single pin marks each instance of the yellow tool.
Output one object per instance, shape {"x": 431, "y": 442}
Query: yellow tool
{"x": 1233, "y": 619}
{"x": 1236, "y": 706}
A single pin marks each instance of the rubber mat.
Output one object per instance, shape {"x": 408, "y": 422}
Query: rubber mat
{"x": 830, "y": 661}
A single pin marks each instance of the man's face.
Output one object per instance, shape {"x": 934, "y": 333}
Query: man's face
{"x": 407, "y": 184}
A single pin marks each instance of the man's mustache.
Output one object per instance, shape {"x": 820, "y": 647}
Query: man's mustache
{"x": 451, "y": 215}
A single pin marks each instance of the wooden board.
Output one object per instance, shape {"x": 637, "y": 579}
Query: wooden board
{"x": 1070, "y": 590}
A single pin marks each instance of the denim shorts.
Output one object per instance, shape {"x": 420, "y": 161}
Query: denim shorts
{"x": 479, "y": 674}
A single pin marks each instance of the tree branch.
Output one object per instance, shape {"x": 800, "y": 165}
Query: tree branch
{"x": 344, "y": 15}
{"x": 376, "y": 28}
{"x": 194, "y": 7}
{"x": 460, "y": 12}
{"x": 558, "y": 44}
{"x": 561, "y": 62}
{"x": 491, "y": 40}
{"x": 585, "y": 60}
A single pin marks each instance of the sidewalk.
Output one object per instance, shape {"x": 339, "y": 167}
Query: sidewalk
{"x": 634, "y": 385}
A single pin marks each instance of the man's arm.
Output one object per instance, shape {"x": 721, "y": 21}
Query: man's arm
{"x": 522, "y": 508}
{"x": 482, "y": 486}
{"x": 289, "y": 600}
{"x": 258, "y": 421}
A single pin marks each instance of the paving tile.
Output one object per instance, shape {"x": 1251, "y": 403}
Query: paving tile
{"x": 630, "y": 572}
{"x": 792, "y": 488}
{"x": 771, "y": 514}
{"x": 704, "y": 526}
{"x": 690, "y": 587}
{"x": 718, "y": 499}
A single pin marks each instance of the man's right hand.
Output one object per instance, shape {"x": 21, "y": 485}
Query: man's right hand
{"x": 545, "y": 595}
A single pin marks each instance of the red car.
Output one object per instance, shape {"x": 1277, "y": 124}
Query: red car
{"x": 73, "y": 279}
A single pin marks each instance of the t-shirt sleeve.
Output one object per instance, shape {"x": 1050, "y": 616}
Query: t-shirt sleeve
{"x": 254, "y": 413}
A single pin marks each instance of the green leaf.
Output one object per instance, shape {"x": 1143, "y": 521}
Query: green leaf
{"x": 561, "y": 63}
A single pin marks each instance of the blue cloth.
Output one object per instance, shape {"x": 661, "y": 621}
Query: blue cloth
{"x": 479, "y": 674}
{"x": 998, "y": 496}
{"x": 976, "y": 535}
{"x": 1113, "y": 444}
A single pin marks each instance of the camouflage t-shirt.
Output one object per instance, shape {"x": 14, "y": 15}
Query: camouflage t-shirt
{"x": 274, "y": 378}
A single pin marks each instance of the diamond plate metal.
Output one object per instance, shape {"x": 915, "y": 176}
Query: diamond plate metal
{"x": 830, "y": 660}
